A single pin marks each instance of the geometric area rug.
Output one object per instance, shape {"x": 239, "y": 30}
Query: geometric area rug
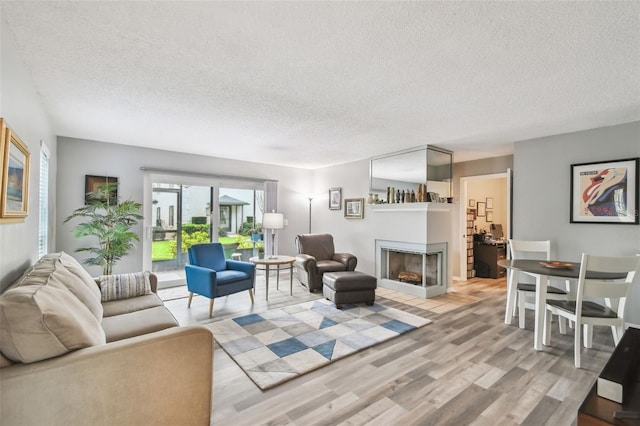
{"x": 281, "y": 344}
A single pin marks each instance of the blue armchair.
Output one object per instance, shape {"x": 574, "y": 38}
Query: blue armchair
{"x": 211, "y": 275}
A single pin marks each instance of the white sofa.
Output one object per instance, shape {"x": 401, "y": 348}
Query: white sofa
{"x": 70, "y": 355}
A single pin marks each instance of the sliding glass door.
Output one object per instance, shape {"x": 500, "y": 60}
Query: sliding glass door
{"x": 181, "y": 211}
{"x": 181, "y": 217}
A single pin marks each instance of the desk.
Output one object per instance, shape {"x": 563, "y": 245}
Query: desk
{"x": 542, "y": 275}
{"x": 486, "y": 256}
{"x": 280, "y": 262}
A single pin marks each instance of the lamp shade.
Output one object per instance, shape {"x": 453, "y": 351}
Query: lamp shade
{"x": 273, "y": 221}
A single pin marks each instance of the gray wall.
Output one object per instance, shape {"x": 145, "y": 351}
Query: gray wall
{"x": 22, "y": 108}
{"x": 78, "y": 158}
{"x": 358, "y": 236}
{"x": 486, "y": 166}
{"x": 541, "y": 186}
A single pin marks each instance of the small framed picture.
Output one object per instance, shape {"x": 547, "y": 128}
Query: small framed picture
{"x": 354, "y": 208}
{"x": 472, "y": 203}
{"x": 482, "y": 209}
{"x": 97, "y": 189}
{"x": 335, "y": 198}
{"x": 489, "y": 203}
{"x": 489, "y": 217}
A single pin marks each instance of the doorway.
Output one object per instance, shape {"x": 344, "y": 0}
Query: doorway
{"x": 485, "y": 206}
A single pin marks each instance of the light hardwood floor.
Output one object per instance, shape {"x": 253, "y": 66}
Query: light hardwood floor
{"x": 466, "y": 368}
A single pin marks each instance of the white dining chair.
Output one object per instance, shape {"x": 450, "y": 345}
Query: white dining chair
{"x": 587, "y": 313}
{"x": 525, "y": 292}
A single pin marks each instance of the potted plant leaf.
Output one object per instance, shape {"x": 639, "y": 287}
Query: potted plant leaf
{"x": 109, "y": 221}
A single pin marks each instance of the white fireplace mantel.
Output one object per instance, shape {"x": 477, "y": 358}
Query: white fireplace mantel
{"x": 411, "y": 207}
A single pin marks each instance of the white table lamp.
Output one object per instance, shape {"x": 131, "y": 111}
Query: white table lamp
{"x": 273, "y": 221}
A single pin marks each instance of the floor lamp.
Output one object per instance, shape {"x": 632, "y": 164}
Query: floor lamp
{"x": 310, "y": 198}
{"x": 273, "y": 221}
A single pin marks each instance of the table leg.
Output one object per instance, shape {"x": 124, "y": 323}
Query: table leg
{"x": 542, "y": 282}
{"x": 278, "y": 277}
{"x": 266, "y": 296}
{"x": 511, "y": 296}
{"x": 291, "y": 280}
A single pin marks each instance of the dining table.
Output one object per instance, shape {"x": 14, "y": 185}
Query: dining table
{"x": 543, "y": 271}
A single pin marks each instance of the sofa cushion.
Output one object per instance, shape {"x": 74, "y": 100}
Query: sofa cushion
{"x": 124, "y": 286}
{"x": 329, "y": 266}
{"x": 75, "y": 268}
{"x": 125, "y": 306}
{"x": 136, "y": 323}
{"x": 22, "y": 277}
{"x": 52, "y": 270}
{"x": 43, "y": 321}
{"x": 4, "y": 361}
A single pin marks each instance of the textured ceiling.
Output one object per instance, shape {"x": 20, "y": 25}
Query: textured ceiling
{"x": 312, "y": 84}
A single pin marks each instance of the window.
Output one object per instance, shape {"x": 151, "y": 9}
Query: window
{"x": 172, "y": 222}
{"x": 43, "y": 227}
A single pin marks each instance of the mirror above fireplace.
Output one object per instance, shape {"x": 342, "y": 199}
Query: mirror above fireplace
{"x": 408, "y": 170}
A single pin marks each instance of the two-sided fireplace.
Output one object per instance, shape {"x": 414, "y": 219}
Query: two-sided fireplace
{"x": 412, "y": 268}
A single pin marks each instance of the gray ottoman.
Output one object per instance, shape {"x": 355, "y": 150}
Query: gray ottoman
{"x": 349, "y": 287}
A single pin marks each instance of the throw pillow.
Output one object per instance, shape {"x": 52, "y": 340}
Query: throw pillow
{"x": 51, "y": 269}
{"x": 124, "y": 286}
{"x": 75, "y": 268}
{"x": 43, "y": 321}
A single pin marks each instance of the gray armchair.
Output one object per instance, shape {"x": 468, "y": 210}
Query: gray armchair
{"x": 316, "y": 255}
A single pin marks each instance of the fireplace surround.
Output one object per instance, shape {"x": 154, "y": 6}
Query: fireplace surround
{"x": 412, "y": 268}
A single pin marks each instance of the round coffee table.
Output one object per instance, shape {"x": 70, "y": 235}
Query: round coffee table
{"x": 280, "y": 262}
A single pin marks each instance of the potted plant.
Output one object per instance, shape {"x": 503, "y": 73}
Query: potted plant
{"x": 110, "y": 222}
{"x": 256, "y": 233}
{"x": 261, "y": 250}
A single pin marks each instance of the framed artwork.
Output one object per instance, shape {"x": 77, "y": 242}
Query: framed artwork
{"x": 489, "y": 203}
{"x": 335, "y": 198}
{"x": 3, "y": 136}
{"x": 94, "y": 185}
{"x": 433, "y": 197}
{"x": 354, "y": 208}
{"x": 489, "y": 217}
{"x": 14, "y": 193}
{"x": 482, "y": 209}
{"x": 605, "y": 192}
{"x": 472, "y": 203}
